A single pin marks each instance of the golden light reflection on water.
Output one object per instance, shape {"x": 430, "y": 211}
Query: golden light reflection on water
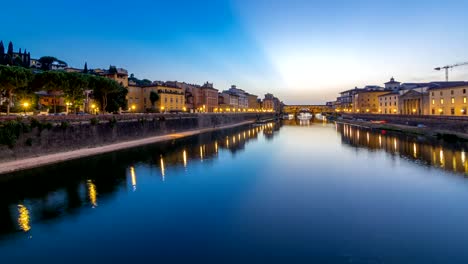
{"x": 184, "y": 157}
{"x": 163, "y": 171}
{"x": 444, "y": 157}
{"x": 92, "y": 193}
{"x": 23, "y": 218}
{"x": 133, "y": 177}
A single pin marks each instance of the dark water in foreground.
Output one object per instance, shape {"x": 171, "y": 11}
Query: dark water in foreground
{"x": 315, "y": 193}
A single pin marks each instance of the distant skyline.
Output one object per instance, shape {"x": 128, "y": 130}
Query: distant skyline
{"x": 301, "y": 51}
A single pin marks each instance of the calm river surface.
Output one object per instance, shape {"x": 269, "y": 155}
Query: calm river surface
{"x": 308, "y": 193}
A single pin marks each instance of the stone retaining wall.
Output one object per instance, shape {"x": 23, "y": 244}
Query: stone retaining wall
{"x": 452, "y": 123}
{"x": 82, "y": 133}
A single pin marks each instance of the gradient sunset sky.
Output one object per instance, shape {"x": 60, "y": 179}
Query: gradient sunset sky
{"x": 302, "y": 51}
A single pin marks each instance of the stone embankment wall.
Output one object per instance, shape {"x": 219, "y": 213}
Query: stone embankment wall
{"x": 450, "y": 123}
{"x": 46, "y": 135}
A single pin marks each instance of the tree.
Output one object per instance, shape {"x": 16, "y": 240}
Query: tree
{"x": 2, "y": 53}
{"x": 46, "y": 62}
{"x": 9, "y": 57}
{"x": 85, "y": 70}
{"x": 74, "y": 87}
{"x": 10, "y": 49}
{"x": 13, "y": 78}
{"x": 51, "y": 81}
{"x": 154, "y": 97}
{"x": 102, "y": 88}
{"x": 117, "y": 100}
{"x": 112, "y": 70}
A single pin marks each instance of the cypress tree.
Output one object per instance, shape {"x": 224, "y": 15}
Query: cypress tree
{"x": 2, "y": 53}
{"x": 10, "y": 49}
{"x": 28, "y": 60}
{"x": 85, "y": 70}
{"x": 9, "y": 59}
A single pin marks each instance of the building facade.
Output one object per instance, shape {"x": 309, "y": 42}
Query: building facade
{"x": 449, "y": 98}
{"x": 253, "y": 102}
{"x": 209, "y": 97}
{"x": 388, "y": 103}
{"x": 367, "y": 101}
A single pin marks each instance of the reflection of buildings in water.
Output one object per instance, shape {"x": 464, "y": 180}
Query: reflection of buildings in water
{"x": 92, "y": 193}
{"x": 23, "y": 218}
{"x": 133, "y": 178}
{"x": 446, "y": 157}
{"x": 163, "y": 170}
{"x": 52, "y": 196}
{"x": 303, "y": 122}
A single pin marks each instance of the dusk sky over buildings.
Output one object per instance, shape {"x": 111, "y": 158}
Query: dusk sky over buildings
{"x": 301, "y": 51}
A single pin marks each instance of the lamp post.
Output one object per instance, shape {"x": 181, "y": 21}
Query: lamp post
{"x": 25, "y": 105}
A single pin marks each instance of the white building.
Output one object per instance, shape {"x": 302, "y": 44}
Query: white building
{"x": 243, "y": 101}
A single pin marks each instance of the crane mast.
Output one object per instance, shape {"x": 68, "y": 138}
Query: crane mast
{"x": 446, "y": 68}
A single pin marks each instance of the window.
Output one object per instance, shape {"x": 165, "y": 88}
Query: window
{"x": 463, "y": 111}
{"x": 385, "y": 104}
{"x": 433, "y": 111}
{"x": 464, "y": 100}
{"x": 433, "y": 102}
{"x": 451, "y": 92}
{"x": 432, "y": 93}
{"x": 464, "y": 91}
{"x": 452, "y": 111}
{"x": 441, "y": 93}
{"x": 394, "y": 103}
{"x": 453, "y": 100}
{"x": 165, "y": 99}
{"x": 442, "y": 101}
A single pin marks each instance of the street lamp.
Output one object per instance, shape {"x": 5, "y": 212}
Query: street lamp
{"x": 93, "y": 106}
{"x": 133, "y": 108}
{"x": 25, "y": 105}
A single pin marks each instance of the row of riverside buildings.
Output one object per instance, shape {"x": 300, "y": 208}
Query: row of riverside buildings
{"x": 432, "y": 98}
{"x": 173, "y": 96}
{"x": 177, "y": 96}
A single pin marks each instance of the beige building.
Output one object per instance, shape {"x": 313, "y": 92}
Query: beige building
{"x": 253, "y": 102}
{"x": 388, "y": 103}
{"x": 367, "y": 101}
{"x": 135, "y": 99}
{"x": 171, "y": 99}
{"x": 449, "y": 98}
{"x": 414, "y": 102}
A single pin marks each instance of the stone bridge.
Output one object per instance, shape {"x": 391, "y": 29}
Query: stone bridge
{"x": 294, "y": 109}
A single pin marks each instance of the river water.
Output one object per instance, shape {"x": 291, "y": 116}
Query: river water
{"x": 276, "y": 193}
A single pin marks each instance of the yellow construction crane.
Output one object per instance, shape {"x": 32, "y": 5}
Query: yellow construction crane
{"x": 449, "y": 67}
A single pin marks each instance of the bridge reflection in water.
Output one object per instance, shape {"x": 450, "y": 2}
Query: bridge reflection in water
{"x": 449, "y": 157}
{"x": 46, "y": 195}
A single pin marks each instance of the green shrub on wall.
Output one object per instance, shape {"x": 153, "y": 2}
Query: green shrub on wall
{"x": 10, "y": 132}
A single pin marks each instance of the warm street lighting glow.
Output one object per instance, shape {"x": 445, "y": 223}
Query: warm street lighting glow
{"x": 163, "y": 171}
{"x": 133, "y": 175}
{"x": 23, "y": 218}
{"x": 414, "y": 110}
{"x": 133, "y": 107}
{"x": 92, "y": 193}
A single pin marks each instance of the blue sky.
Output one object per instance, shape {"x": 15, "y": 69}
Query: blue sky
{"x": 302, "y": 51}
